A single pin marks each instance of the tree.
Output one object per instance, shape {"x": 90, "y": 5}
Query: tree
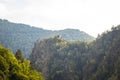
{"x": 19, "y": 55}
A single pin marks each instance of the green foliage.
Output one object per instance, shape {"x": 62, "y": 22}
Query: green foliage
{"x": 2, "y": 76}
{"x": 18, "y": 76}
{"x": 13, "y": 69}
{"x": 35, "y": 75}
{"x": 3, "y": 64}
{"x": 59, "y": 59}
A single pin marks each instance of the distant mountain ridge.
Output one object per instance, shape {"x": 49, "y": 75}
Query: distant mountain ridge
{"x": 21, "y": 36}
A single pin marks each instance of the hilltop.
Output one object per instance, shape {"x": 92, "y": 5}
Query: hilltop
{"x": 21, "y": 36}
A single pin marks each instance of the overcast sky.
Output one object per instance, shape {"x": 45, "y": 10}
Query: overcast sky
{"x": 91, "y": 16}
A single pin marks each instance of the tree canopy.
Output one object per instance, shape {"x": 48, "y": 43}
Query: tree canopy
{"x": 59, "y": 59}
{"x": 12, "y": 69}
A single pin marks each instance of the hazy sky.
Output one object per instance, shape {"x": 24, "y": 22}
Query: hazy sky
{"x": 91, "y": 16}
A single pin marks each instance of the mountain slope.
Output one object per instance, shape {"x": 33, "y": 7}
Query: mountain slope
{"x": 59, "y": 59}
{"x": 20, "y": 36}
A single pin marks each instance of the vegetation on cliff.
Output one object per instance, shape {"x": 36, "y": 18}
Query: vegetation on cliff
{"x": 59, "y": 59}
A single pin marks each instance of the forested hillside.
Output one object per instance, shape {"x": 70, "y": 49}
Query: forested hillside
{"x": 16, "y": 67}
{"x": 59, "y": 59}
{"x": 20, "y": 36}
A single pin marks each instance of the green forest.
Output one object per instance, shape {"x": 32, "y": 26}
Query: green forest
{"x": 16, "y": 67}
{"x": 59, "y": 59}
{"x": 21, "y": 36}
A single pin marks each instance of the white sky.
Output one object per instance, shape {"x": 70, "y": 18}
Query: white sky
{"x": 91, "y": 16}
